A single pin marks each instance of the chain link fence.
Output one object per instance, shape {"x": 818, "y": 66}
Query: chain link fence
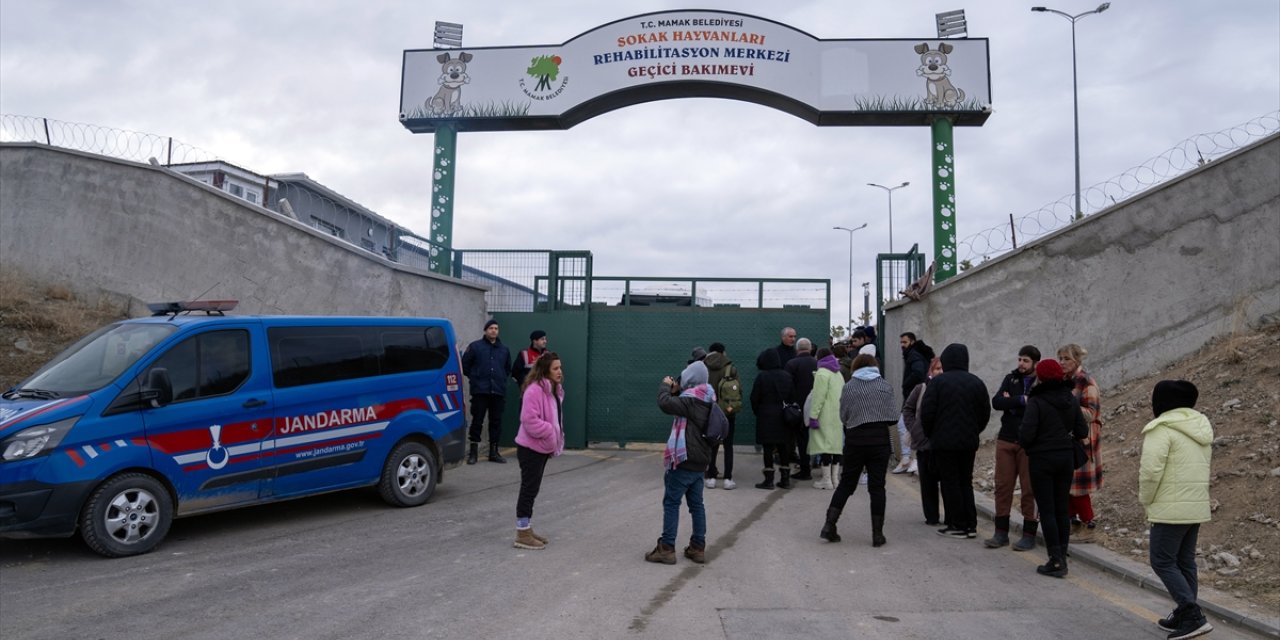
{"x": 1189, "y": 154}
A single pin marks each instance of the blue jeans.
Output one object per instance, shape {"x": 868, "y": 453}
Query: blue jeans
{"x": 687, "y": 485}
{"x": 1173, "y": 558}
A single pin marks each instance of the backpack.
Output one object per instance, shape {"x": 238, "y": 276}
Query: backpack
{"x": 729, "y": 391}
{"x": 717, "y": 425}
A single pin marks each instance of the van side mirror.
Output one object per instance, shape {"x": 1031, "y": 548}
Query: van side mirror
{"x": 158, "y": 391}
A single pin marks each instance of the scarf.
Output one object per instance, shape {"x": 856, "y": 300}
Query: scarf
{"x": 830, "y": 363}
{"x": 677, "y": 450}
{"x": 867, "y": 373}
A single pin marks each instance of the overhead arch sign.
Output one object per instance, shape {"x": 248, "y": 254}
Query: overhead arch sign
{"x": 685, "y": 54}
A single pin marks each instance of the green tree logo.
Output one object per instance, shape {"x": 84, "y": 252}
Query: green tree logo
{"x": 545, "y": 69}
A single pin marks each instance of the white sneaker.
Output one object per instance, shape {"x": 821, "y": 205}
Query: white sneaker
{"x": 902, "y": 467}
{"x": 710, "y": 483}
{"x": 862, "y": 479}
{"x": 914, "y": 469}
{"x": 729, "y": 484}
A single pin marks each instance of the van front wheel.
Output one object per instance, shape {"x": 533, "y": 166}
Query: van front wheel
{"x": 409, "y": 475}
{"x": 127, "y": 515}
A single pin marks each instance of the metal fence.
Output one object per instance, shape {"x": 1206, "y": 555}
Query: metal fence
{"x": 1189, "y": 154}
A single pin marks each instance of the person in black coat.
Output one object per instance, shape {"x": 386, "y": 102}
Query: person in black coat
{"x": 1051, "y": 421}
{"x": 916, "y": 356}
{"x": 954, "y": 410}
{"x": 801, "y": 368}
{"x": 487, "y": 365}
{"x": 770, "y": 389}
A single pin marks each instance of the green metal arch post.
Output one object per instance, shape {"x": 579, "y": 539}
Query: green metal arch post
{"x": 943, "y": 170}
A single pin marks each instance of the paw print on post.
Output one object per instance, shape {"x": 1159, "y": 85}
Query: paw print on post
{"x": 943, "y": 171}
{"x": 945, "y": 211}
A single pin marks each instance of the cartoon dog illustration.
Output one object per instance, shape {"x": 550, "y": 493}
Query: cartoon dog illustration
{"x": 453, "y": 74}
{"x": 939, "y": 92}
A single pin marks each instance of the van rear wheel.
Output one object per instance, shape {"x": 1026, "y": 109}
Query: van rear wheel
{"x": 409, "y": 475}
{"x": 127, "y": 515}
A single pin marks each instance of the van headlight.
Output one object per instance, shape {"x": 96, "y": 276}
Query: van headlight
{"x": 34, "y": 441}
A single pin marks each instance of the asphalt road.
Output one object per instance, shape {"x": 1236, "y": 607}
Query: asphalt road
{"x": 347, "y": 566}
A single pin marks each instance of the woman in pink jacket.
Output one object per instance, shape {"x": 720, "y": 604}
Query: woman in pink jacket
{"x": 541, "y": 436}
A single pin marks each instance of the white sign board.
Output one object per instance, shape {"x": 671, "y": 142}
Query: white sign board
{"x": 679, "y": 54}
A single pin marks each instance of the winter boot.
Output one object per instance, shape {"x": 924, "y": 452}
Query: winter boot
{"x": 539, "y": 537}
{"x": 824, "y": 478}
{"x": 877, "y": 531}
{"x": 1190, "y": 624}
{"x": 1056, "y": 567}
{"x": 662, "y": 554}
{"x": 473, "y": 453}
{"x": 526, "y": 540}
{"x": 785, "y": 482}
{"x": 837, "y": 470}
{"x": 829, "y": 527}
{"x": 696, "y": 553}
{"x": 1028, "y": 540}
{"x": 1001, "y": 537}
{"x": 494, "y": 456}
{"x": 768, "y": 480}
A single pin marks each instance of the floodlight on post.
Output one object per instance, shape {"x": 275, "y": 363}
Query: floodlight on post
{"x": 864, "y": 226}
{"x": 952, "y": 23}
{"x": 1075, "y": 93}
{"x": 448, "y": 34}
{"x": 889, "y": 190}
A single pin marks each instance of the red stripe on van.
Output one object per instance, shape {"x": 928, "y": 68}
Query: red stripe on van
{"x": 75, "y": 457}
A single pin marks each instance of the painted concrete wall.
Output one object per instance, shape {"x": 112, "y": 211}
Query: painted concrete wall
{"x": 1139, "y": 285}
{"x": 143, "y": 234}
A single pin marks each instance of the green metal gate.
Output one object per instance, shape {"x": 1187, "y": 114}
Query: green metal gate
{"x": 618, "y": 336}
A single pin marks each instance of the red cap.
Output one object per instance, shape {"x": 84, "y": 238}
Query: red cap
{"x": 1049, "y": 369}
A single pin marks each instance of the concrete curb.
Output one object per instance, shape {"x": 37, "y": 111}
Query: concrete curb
{"x": 1211, "y": 600}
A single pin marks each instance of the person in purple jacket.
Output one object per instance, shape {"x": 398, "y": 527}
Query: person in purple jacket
{"x": 540, "y": 438}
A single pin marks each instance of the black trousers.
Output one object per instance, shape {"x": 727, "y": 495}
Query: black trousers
{"x": 1051, "y": 473}
{"x": 532, "y": 466}
{"x": 802, "y": 446}
{"x": 874, "y": 460}
{"x": 955, "y": 471}
{"x": 489, "y": 404}
{"x": 712, "y": 471}
{"x": 780, "y": 451}
{"x": 930, "y": 486}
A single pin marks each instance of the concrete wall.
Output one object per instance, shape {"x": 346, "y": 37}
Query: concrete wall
{"x": 1139, "y": 285}
{"x": 107, "y": 226}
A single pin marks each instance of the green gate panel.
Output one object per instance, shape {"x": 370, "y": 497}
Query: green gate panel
{"x": 567, "y": 336}
{"x": 632, "y": 348}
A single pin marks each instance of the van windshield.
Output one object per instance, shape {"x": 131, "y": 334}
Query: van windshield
{"x": 97, "y": 359}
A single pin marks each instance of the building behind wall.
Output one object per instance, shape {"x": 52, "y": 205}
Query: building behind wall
{"x": 237, "y": 181}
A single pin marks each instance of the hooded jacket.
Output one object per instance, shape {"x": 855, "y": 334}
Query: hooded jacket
{"x": 769, "y": 390}
{"x": 1052, "y": 418}
{"x": 955, "y": 407}
{"x": 696, "y": 413}
{"x": 717, "y": 364}
{"x": 1173, "y": 479}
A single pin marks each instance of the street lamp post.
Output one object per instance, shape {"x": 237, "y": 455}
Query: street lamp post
{"x": 1075, "y": 94}
{"x": 864, "y": 225}
{"x": 889, "y": 190}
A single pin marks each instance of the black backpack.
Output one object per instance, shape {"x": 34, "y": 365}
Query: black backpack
{"x": 717, "y": 425}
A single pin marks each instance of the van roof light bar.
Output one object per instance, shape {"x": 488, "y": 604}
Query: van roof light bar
{"x": 210, "y": 307}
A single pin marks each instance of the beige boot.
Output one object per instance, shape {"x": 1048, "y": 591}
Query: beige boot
{"x": 837, "y": 471}
{"x": 824, "y": 478}
{"x": 539, "y": 537}
{"x": 526, "y": 540}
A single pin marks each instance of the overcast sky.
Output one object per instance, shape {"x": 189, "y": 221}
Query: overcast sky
{"x": 694, "y": 187}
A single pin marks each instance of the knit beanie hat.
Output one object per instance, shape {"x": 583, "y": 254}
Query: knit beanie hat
{"x": 698, "y": 354}
{"x": 537, "y": 334}
{"x": 1049, "y": 369}
{"x": 693, "y": 375}
{"x": 1173, "y": 394}
{"x": 490, "y": 323}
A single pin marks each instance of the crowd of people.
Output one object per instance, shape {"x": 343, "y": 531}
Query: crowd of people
{"x": 834, "y": 411}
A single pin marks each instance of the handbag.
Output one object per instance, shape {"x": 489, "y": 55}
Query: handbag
{"x": 1078, "y": 455}
{"x": 792, "y": 414}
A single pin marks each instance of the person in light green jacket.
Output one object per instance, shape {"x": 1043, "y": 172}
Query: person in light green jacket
{"x": 826, "y": 433}
{"x": 1173, "y": 486}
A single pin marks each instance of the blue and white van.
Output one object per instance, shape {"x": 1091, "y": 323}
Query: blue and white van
{"x": 150, "y": 419}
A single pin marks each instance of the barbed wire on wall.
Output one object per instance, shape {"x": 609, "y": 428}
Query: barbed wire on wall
{"x": 1196, "y": 151}
{"x": 365, "y": 230}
